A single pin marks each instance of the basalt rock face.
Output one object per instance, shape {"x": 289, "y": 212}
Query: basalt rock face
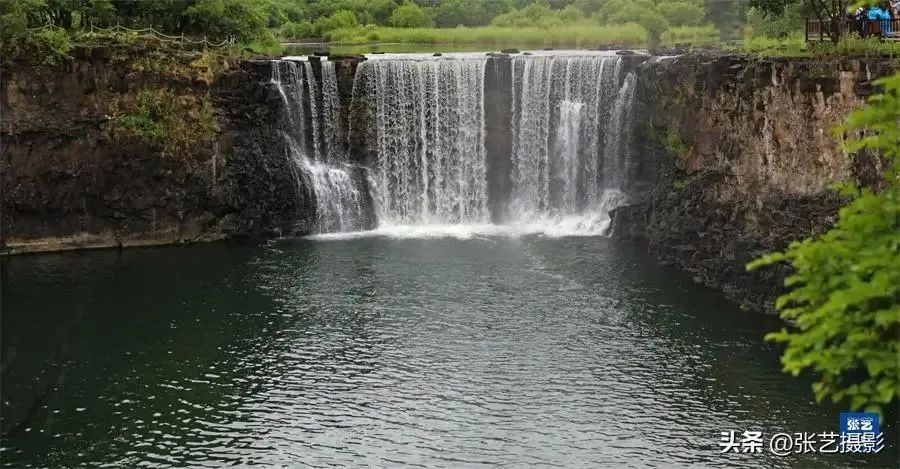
{"x": 83, "y": 164}
{"x": 744, "y": 154}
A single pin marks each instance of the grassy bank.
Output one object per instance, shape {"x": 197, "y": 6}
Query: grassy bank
{"x": 694, "y": 35}
{"x": 583, "y": 36}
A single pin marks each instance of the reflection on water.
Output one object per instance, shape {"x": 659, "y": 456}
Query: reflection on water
{"x": 382, "y": 352}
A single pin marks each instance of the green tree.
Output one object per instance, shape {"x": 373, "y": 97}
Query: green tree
{"x": 538, "y": 13}
{"x": 292, "y": 30}
{"x": 338, "y": 20}
{"x": 682, "y": 13}
{"x": 220, "y": 18}
{"x": 451, "y": 13}
{"x": 642, "y": 12}
{"x": 788, "y": 23}
{"x": 589, "y": 7}
{"x": 380, "y": 10}
{"x": 843, "y": 297}
{"x": 410, "y": 15}
{"x": 728, "y": 16}
{"x": 48, "y": 46}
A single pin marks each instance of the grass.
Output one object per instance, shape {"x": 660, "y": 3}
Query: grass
{"x": 796, "y": 46}
{"x": 573, "y": 35}
{"x": 693, "y": 35}
{"x": 265, "y": 47}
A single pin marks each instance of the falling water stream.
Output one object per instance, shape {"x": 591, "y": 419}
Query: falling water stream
{"x": 337, "y": 188}
{"x": 430, "y": 140}
{"x": 570, "y": 121}
{"x": 567, "y": 159}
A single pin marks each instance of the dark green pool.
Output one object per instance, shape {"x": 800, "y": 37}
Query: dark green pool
{"x": 577, "y": 352}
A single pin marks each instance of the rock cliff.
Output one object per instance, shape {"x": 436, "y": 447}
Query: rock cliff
{"x": 745, "y": 152}
{"x": 132, "y": 146}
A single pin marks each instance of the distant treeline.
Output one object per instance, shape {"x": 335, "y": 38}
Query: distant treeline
{"x": 250, "y": 20}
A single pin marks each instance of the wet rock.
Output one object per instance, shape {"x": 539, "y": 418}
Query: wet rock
{"x": 509, "y": 51}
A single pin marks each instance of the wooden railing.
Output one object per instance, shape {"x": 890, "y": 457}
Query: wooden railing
{"x": 886, "y": 29}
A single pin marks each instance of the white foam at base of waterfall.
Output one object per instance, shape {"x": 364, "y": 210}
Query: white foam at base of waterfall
{"x": 595, "y": 223}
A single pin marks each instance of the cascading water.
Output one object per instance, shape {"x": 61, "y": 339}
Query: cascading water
{"x": 571, "y": 130}
{"x": 331, "y": 115}
{"x": 338, "y": 189}
{"x": 429, "y": 130}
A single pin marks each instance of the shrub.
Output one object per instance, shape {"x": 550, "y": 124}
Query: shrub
{"x": 535, "y": 14}
{"x": 338, "y": 20}
{"x": 682, "y": 13}
{"x": 452, "y": 13}
{"x": 642, "y": 12}
{"x": 176, "y": 124}
{"x": 297, "y": 30}
{"x": 246, "y": 21}
{"x": 788, "y": 23}
{"x": 146, "y": 119}
{"x": 410, "y": 15}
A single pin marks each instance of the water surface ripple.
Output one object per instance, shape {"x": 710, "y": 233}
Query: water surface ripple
{"x": 383, "y": 352}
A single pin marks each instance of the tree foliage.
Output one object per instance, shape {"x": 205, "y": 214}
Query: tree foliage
{"x": 786, "y": 24}
{"x": 221, "y": 18}
{"x": 843, "y": 298}
{"x": 728, "y": 16}
{"x": 682, "y": 13}
{"x": 452, "y": 13}
{"x": 410, "y": 15}
{"x": 642, "y": 12}
{"x": 536, "y": 14}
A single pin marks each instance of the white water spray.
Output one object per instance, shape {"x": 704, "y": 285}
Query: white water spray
{"x": 429, "y": 119}
{"x": 339, "y": 201}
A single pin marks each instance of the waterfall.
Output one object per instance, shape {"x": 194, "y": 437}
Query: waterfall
{"x": 337, "y": 188}
{"x": 331, "y": 115}
{"x": 571, "y": 137}
{"x": 429, "y": 138}
{"x": 617, "y": 153}
{"x": 420, "y": 122}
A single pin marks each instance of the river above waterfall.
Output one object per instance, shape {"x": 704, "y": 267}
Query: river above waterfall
{"x": 387, "y": 351}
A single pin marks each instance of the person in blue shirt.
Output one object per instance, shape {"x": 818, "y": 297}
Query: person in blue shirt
{"x": 876, "y": 13}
